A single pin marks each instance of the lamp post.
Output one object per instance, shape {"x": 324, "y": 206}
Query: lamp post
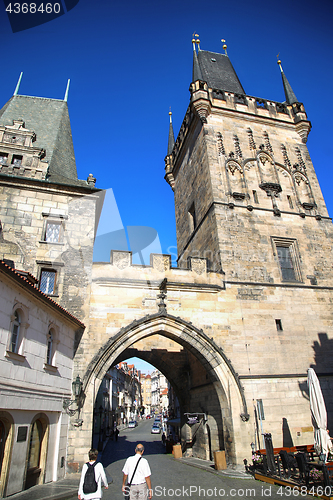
{"x": 77, "y": 393}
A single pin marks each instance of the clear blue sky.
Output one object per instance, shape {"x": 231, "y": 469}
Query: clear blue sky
{"x": 130, "y": 61}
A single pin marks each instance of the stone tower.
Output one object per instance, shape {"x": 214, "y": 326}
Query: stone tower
{"x": 47, "y": 214}
{"x": 246, "y": 194}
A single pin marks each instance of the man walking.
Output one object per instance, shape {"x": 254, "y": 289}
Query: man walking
{"x": 137, "y": 471}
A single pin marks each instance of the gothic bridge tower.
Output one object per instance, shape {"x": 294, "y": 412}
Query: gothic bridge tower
{"x": 246, "y": 194}
{"x": 248, "y": 201}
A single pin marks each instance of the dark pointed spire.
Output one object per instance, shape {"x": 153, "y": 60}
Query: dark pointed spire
{"x": 196, "y": 68}
{"x": 171, "y": 141}
{"x": 289, "y": 93}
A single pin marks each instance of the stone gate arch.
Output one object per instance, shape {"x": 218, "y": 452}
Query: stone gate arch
{"x": 229, "y": 391}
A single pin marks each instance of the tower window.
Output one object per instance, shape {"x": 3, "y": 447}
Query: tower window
{"x": 288, "y": 258}
{"x": 278, "y": 323}
{"x": 52, "y": 232}
{"x": 290, "y": 201}
{"x": 255, "y": 196}
{"x": 260, "y": 408}
{"x": 192, "y": 217}
{"x": 3, "y": 158}
{"x": 48, "y": 281}
{"x": 17, "y": 160}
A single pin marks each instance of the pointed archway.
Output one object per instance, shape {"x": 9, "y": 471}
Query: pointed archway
{"x": 226, "y": 396}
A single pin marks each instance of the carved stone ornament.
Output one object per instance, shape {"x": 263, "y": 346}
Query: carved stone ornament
{"x": 300, "y": 178}
{"x": 199, "y": 266}
{"x": 121, "y": 259}
{"x": 271, "y": 188}
{"x": 238, "y": 196}
{"x": 233, "y": 166}
{"x": 161, "y": 263}
{"x": 245, "y": 417}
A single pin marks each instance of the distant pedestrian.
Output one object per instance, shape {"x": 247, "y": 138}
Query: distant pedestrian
{"x": 116, "y": 434}
{"x": 137, "y": 471}
{"x": 92, "y": 475}
{"x": 163, "y": 438}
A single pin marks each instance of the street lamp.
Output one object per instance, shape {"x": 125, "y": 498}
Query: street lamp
{"x": 77, "y": 393}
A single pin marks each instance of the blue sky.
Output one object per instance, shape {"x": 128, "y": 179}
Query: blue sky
{"x": 130, "y": 61}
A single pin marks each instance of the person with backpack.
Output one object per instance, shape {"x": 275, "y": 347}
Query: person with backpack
{"x": 92, "y": 475}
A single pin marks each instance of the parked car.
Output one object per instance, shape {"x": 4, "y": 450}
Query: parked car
{"x": 132, "y": 423}
{"x": 156, "y": 429}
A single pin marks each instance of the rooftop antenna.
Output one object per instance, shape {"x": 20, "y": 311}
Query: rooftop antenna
{"x": 18, "y": 84}
{"x": 224, "y": 46}
{"x": 67, "y": 89}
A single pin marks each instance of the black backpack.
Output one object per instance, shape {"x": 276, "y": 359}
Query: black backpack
{"x": 89, "y": 483}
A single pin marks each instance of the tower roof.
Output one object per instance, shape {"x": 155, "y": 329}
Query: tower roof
{"x": 217, "y": 70}
{"x": 288, "y": 91}
{"x": 171, "y": 141}
{"x": 49, "y": 119}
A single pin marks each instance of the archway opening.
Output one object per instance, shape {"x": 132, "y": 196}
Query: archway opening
{"x": 193, "y": 411}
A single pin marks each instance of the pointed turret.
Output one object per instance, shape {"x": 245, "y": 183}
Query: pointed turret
{"x": 288, "y": 91}
{"x": 196, "y": 73}
{"x": 171, "y": 141}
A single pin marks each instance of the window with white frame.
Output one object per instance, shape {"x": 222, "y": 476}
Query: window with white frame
{"x": 52, "y": 232}
{"x": 47, "y": 282}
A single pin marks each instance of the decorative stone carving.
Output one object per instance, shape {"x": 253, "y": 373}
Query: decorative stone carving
{"x": 161, "y": 262}
{"x": 238, "y": 150}
{"x": 232, "y": 166}
{"x": 220, "y": 146}
{"x": 121, "y": 259}
{"x": 268, "y": 146}
{"x": 199, "y": 266}
{"x": 252, "y": 144}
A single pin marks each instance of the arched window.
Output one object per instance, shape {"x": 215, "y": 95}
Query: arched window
{"x": 14, "y": 343}
{"x": 49, "y": 354}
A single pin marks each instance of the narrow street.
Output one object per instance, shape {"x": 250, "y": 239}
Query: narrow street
{"x": 175, "y": 479}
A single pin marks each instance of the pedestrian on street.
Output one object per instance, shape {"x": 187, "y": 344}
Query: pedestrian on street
{"x": 88, "y": 476}
{"x": 116, "y": 434}
{"x": 137, "y": 470}
{"x": 163, "y": 438}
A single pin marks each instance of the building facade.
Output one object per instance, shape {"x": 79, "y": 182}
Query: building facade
{"x": 37, "y": 339}
{"x": 248, "y": 310}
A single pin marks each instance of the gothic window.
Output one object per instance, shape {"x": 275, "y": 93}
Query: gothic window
{"x": 288, "y": 258}
{"x": 17, "y": 160}
{"x": 48, "y": 281}
{"x": 52, "y": 232}
{"x": 255, "y": 196}
{"x": 3, "y": 158}
{"x": 15, "y": 332}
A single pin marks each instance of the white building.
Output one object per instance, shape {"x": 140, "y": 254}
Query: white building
{"x": 37, "y": 338}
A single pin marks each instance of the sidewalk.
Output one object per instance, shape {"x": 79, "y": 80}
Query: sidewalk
{"x": 66, "y": 489}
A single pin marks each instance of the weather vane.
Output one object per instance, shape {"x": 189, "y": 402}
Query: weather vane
{"x": 195, "y": 40}
{"x": 224, "y": 46}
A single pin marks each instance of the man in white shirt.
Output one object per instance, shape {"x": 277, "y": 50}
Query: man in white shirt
{"x": 141, "y": 479}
